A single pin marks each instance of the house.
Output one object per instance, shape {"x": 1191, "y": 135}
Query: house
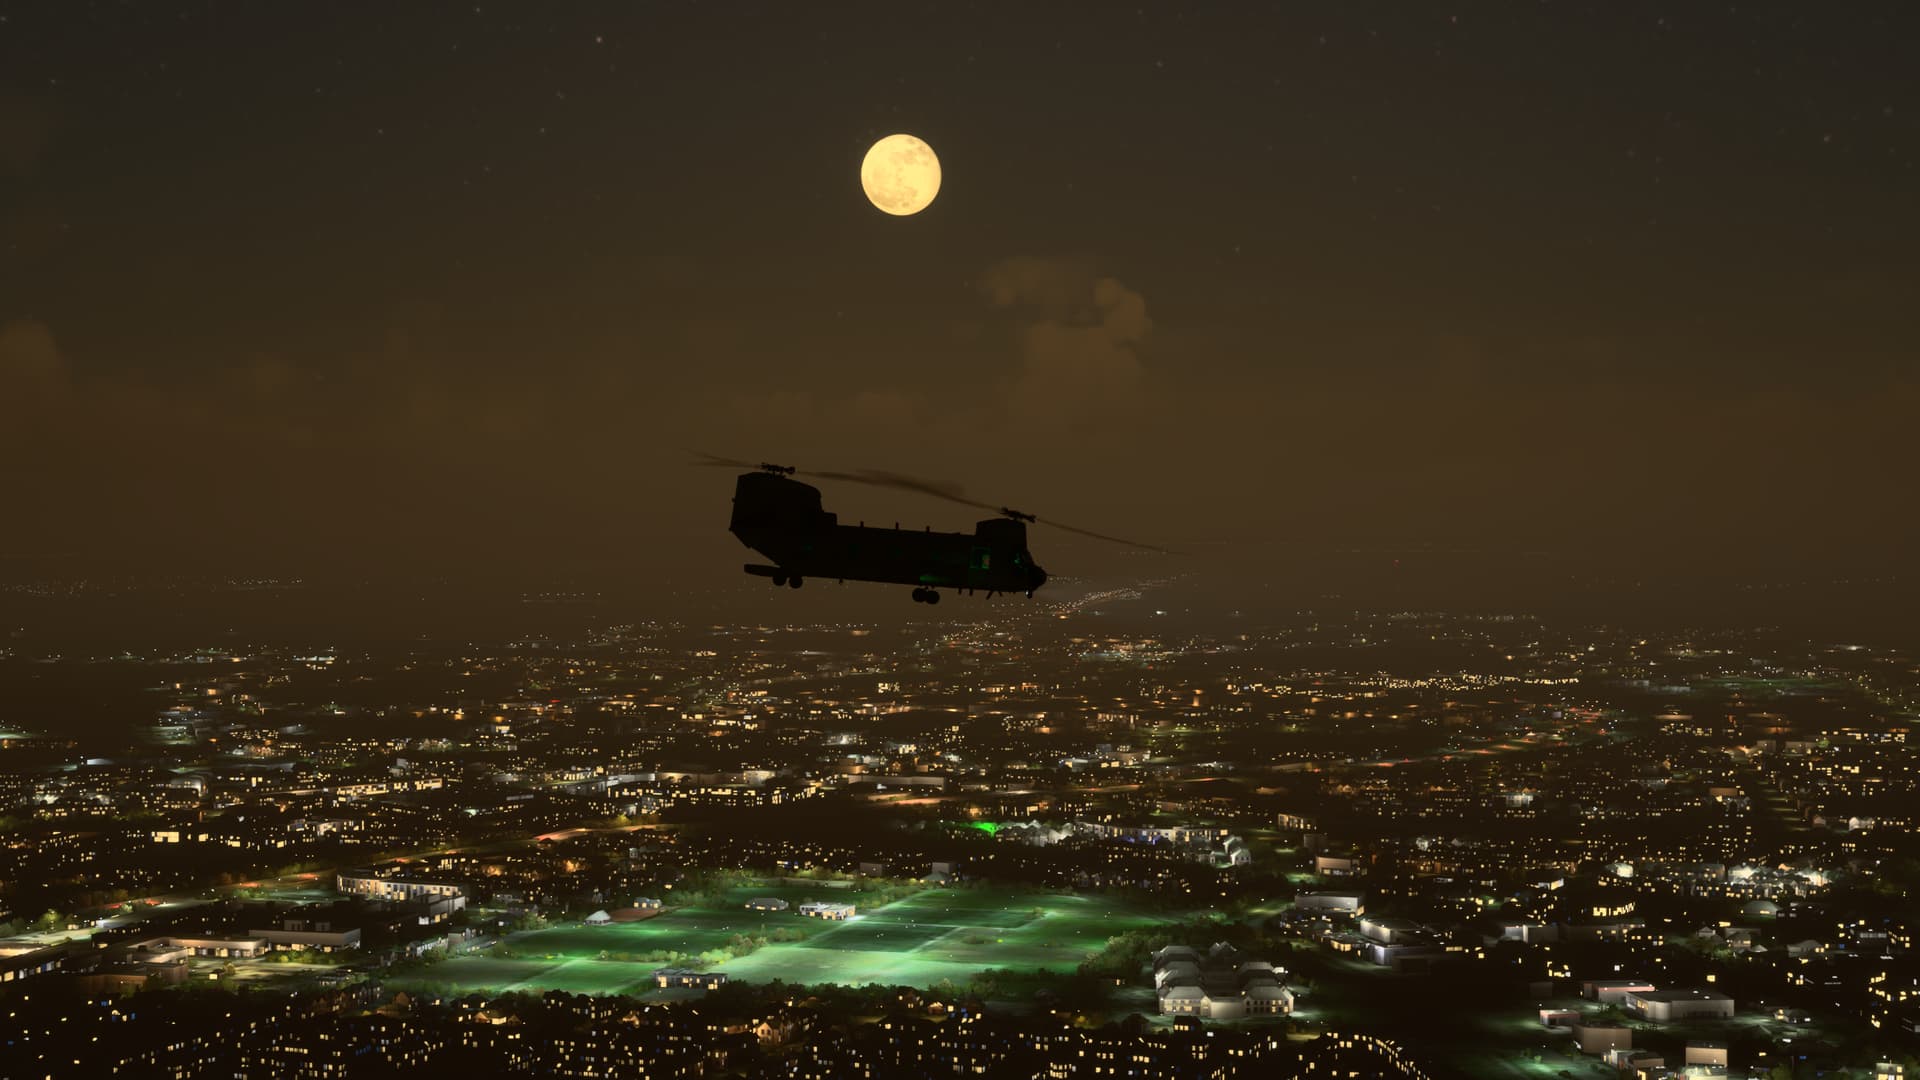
{"x": 767, "y": 903}
{"x": 1176, "y": 973}
{"x": 1269, "y": 1000}
{"x": 830, "y": 912}
{"x": 685, "y": 978}
{"x": 599, "y": 918}
{"x": 1183, "y": 1001}
{"x": 1218, "y": 985}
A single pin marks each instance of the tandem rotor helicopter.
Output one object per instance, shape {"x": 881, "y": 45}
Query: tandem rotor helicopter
{"x": 782, "y": 519}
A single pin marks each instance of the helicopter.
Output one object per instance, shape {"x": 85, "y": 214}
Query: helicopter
{"x": 782, "y": 518}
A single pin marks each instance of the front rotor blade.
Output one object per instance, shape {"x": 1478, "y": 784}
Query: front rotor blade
{"x": 719, "y": 462}
{"x": 901, "y": 482}
{"x": 952, "y": 493}
{"x": 1110, "y": 539}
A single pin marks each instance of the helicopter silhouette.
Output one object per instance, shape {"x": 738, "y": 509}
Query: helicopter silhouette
{"x": 782, "y": 518}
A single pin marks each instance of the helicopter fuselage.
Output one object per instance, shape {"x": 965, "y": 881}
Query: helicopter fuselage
{"x": 782, "y": 519}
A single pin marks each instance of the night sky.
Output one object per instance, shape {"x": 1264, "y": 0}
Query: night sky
{"x": 373, "y": 287}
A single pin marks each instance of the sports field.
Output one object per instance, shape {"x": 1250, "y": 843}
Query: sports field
{"x": 929, "y": 936}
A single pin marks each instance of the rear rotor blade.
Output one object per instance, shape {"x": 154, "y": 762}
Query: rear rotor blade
{"x": 952, "y": 493}
{"x": 1110, "y": 539}
{"x": 956, "y": 494}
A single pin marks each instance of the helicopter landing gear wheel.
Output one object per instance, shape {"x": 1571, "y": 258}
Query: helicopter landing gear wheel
{"x": 779, "y": 580}
{"x": 933, "y": 596}
{"x": 925, "y": 596}
{"x": 794, "y": 581}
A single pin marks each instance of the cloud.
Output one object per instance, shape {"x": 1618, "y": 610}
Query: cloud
{"x": 1057, "y": 286}
{"x": 1079, "y": 348}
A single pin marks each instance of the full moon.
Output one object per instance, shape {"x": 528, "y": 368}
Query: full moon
{"x": 900, "y": 175}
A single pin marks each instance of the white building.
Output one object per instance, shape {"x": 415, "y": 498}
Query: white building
{"x": 1335, "y": 865}
{"x": 1707, "y": 1053}
{"x": 218, "y": 946}
{"x": 1337, "y": 903}
{"x": 1218, "y": 985}
{"x": 1392, "y": 931}
{"x": 369, "y": 884}
{"x": 1693, "y": 1003}
{"x": 1600, "y": 1037}
{"x": 1613, "y": 991}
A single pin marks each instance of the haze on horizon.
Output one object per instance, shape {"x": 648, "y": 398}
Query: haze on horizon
{"x": 369, "y": 295}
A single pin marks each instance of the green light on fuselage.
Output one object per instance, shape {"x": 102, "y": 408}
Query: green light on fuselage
{"x": 988, "y": 827}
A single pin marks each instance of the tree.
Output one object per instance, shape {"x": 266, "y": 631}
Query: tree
{"x": 49, "y": 921}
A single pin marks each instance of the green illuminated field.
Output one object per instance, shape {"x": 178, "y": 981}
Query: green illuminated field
{"x": 693, "y": 930}
{"x": 930, "y": 936}
{"x": 592, "y": 977}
